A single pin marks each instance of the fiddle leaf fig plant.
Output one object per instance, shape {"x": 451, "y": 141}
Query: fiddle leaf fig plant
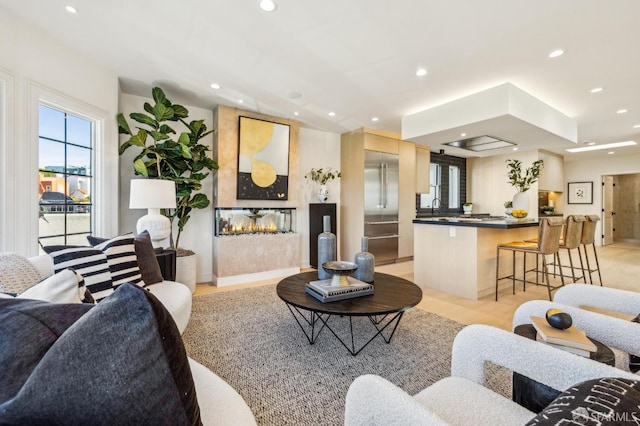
{"x": 165, "y": 154}
{"x": 520, "y": 181}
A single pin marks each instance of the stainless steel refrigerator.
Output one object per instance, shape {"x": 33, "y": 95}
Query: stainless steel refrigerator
{"x": 381, "y": 205}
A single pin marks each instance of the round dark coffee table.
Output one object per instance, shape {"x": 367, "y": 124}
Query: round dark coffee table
{"x": 391, "y": 298}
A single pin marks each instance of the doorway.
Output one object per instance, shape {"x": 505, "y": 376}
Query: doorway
{"x": 621, "y": 210}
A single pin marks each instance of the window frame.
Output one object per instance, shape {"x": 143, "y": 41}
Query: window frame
{"x": 99, "y": 192}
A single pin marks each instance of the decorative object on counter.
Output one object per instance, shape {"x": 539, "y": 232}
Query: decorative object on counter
{"x": 366, "y": 263}
{"x": 519, "y": 213}
{"x": 508, "y": 207}
{"x": 522, "y": 182}
{"x": 339, "y": 271}
{"x": 327, "y": 251}
{"x": 558, "y": 319}
{"x": 548, "y": 209}
{"x": 322, "y": 176}
{"x": 467, "y": 207}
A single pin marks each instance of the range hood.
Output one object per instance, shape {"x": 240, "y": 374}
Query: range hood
{"x": 480, "y": 143}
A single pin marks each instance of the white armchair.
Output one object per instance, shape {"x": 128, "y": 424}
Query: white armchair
{"x": 583, "y": 295}
{"x": 616, "y": 331}
{"x": 462, "y": 399}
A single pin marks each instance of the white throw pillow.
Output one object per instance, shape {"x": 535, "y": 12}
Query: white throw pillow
{"x": 64, "y": 287}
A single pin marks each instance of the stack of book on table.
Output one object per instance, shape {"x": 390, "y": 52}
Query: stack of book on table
{"x": 324, "y": 292}
{"x": 571, "y": 339}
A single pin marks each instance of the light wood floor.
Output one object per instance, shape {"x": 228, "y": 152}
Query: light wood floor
{"x": 619, "y": 264}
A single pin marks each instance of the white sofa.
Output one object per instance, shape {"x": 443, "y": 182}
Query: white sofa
{"x": 174, "y": 296}
{"x": 462, "y": 399}
{"x": 219, "y": 403}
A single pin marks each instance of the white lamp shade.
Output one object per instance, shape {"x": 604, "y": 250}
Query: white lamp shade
{"x": 152, "y": 194}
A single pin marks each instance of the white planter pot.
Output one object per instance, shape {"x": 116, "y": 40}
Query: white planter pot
{"x": 467, "y": 209}
{"x": 521, "y": 201}
{"x": 186, "y": 271}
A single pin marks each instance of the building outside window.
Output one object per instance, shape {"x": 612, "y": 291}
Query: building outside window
{"x": 66, "y": 143}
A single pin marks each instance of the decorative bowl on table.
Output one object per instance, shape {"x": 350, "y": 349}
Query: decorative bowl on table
{"x": 519, "y": 213}
{"x": 339, "y": 271}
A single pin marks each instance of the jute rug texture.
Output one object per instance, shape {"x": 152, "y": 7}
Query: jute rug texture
{"x": 249, "y": 338}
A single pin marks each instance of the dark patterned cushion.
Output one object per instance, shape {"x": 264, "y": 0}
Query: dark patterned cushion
{"x": 123, "y": 263}
{"x": 634, "y": 360}
{"x": 77, "y": 364}
{"x": 606, "y": 401}
{"x": 147, "y": 261}
{"x": 89, "y": 262}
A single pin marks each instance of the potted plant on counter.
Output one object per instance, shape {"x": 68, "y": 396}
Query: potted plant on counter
{"x": 522, "y": 181}
{"x": 467, "y": 207}
{"x": 508, "y": 207}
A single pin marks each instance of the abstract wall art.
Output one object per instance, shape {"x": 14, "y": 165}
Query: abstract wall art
{"x": 263, "y": 160}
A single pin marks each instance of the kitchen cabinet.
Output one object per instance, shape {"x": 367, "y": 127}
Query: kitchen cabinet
{"x": 422, "y": 167}
{"x": 552, "y": 174}
{"x": 352, "y": 198}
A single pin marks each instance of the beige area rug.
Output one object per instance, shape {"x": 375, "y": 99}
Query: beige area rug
{"x": 249, "y": 338}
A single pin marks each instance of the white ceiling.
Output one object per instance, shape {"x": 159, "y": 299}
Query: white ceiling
{"x": 358, "y": 58}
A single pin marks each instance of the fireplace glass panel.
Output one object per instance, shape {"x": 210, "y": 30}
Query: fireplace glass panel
{"x": 242, "y": 221}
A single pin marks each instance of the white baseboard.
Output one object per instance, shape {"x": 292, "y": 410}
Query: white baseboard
{"x": 257, "y": 276}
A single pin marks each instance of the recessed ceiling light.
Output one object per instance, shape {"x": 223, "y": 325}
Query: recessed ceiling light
{"x": 605, "y": 146}
{"x": 332, "y": 114}
{"x": 556, "y": 53}
{"x": 621, "y": 111}
{"x": 374, "y": 119}
{"x": 71, "y": 9}
{"x": 240, "y": 101}
{"x": 610, "y": 152}
{"x": 421, "y": 72}
{"x": 597, "y": 89}
{"x": 215, "y": 86}
{"x": 637, "y": 126}
{"x": 296, "y": 113}
{"x": 462, "y": 135}
{"x": 267, "y": 5}
{"x": 591, "y": 143}
{"x": 515, "y": 149}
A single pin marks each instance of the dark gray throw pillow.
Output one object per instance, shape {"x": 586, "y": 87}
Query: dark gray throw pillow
{"x": 119, "y": 362}
{"x": 147, "y": 261}
{"x": 605, "y": 401}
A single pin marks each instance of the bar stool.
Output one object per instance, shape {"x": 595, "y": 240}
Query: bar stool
{"x": 548, "y": 243}
{"x": 571, "y": 241}
{"x": 588, "y": 238}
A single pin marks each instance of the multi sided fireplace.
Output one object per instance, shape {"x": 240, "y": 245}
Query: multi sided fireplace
{"x": 249, "y": 220}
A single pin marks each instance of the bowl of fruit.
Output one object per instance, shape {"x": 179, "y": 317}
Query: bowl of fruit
{"x": 519, "y": 213}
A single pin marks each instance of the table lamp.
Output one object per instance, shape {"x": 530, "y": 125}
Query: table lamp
{"x": 153, "y": 194}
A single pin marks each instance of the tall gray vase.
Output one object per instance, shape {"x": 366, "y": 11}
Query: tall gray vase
{"x": 366, "y": 263}
{"x": 326, "y": 248}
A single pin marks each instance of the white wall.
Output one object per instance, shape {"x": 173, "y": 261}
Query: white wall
{"x": 488, "y": 186}
{"x": 592, "y": 170}
{"x": 33, "y": 63}
{"x": 198, "y": 233}
{"x": 317, "y": 149}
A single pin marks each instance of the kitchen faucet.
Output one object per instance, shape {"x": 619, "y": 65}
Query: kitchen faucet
{"x": 433, "y": 203}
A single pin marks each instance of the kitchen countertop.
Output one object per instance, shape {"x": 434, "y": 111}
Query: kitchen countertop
{"x": 479, "y": 222}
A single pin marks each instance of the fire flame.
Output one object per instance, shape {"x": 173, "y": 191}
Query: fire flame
{"x": 252, "y": 228}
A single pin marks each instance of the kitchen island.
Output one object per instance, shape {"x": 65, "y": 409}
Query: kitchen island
{"x": 457, "y": 255}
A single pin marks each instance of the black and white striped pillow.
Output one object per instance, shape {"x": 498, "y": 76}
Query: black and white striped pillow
{"x": 104, "y": 267}
{"x": 122, "y": 259}
{"x": 89, "y": 262}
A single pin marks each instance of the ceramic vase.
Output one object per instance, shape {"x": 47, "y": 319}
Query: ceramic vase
{"x": 366, "y": 263}
{"x": 521, "y": 201}
{"x": 323, "y": 194}
{"x": 327, "y": 251}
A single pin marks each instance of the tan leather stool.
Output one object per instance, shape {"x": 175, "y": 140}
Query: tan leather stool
{"x": 588, "y": 238}
{"x": 571, "y": 240}
{"x": 548, "y": 244}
